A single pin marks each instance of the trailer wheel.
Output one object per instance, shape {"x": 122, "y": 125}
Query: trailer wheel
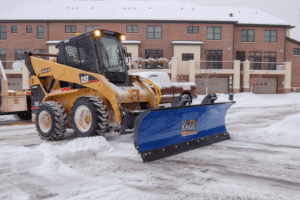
{"x": 51, "y": 121}
{"x": 89, "y": 116}
{"x": 24, "y": 115}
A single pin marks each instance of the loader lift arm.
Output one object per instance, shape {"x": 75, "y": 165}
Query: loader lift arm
{"x": 55, "y": 71}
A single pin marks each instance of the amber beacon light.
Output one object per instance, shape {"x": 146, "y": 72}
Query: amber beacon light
{"x": 97, "y": 33}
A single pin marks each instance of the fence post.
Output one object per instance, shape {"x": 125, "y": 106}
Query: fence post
{"x": 192, "y": 71}
{"x": 236, "y": 76}
{"x": 25, "y": 76}
{"x": 246, "y": 76}
{"x": 174, "y": 69}
{"x": 287, "y": 77}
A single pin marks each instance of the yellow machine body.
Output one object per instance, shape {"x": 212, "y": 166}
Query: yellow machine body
{"x": 116, "y": 98}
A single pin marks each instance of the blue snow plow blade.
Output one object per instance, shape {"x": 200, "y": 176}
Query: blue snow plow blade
{"x": 160, "y": 133}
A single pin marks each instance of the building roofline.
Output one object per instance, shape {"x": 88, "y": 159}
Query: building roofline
{"x": 236, "y": 23}
{"x": 113, "y": 21}
{"x": 264, "y": 25}
{"x": 293, "y": 40}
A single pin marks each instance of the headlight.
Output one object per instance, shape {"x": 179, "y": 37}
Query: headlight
{"x": 122, "y": 37}
{"x": 97, "y": 33}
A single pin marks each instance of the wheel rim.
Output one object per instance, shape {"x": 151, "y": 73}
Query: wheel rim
{"x": 83, "y": 118}
{"x": 45, "y": 121}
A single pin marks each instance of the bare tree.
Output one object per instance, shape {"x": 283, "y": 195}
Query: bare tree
{"x": 255, "y": 80}
{"x": 208, "y": 73}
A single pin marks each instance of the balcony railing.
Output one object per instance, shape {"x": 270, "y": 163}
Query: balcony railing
{"x": 214, "y": 65}
{"x": 267, "y": 66}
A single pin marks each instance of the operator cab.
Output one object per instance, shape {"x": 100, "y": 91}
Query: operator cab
{"x": 98, "y": 51}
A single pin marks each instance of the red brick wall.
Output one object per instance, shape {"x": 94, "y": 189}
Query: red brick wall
{"x": 295, "y": 59}
{"x": 170, "y": 32}
{"x": 259, "y": 44}
{"x": 230, "y": 39}
{"x": 22, "y": 40}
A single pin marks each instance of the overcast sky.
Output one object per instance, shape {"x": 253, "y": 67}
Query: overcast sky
{"x": 286, "y": 10}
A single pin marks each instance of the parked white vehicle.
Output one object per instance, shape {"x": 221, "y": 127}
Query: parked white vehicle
{"x": 168, "y": 89}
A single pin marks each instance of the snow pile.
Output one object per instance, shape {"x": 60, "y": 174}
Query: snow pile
{"x": 285, "y": 132}
{"x": 247, "y": 99}
{"x": 17, "y": 65}
{"x": 45, "y": 159}
{"x": 8, "y": 117}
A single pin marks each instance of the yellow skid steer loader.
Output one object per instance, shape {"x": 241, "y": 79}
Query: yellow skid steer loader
{"x": 89, "y": 89}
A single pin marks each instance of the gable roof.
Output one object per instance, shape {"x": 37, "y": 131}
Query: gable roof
{"x": 136, "y": 10}
{"x": 293, "y": 40}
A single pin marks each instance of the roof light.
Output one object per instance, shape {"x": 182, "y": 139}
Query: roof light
{"x": 97, "y": 33}
{"x": 122, "y": 37}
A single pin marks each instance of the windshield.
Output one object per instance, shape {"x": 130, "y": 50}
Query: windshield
{"x": 111, "y": 53}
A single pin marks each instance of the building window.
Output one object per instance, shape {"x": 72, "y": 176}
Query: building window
{"x": 89, "y": 28}
{"x": 255, "y": 59}
{"x": 240, "y": 55}
{"x": 132, "y": 29}
{"x": 71, "y": 29}
{"x": 28, "y": 29}
{"x": 270, "y": 58}
{"x": 248, "y": 35}
{"x": 20, "y": 54}
{"x": 214, "y": 33}
{"x": 187, "y": 56}
{"x": 270, "y": 36}
{"x": 3, "y": 33}
{"x": 153, "y": 53}
{"x": 40, "y": 51}
{"x": 213, "y": 55}
{"x": 296, "y": 51}
{"x": 153, "y": 32}
{"x": 193, "y": 29}
{"x": 3, "y": 57}
{"x": 40, "y": 32}
{"x": 14, "y": 29}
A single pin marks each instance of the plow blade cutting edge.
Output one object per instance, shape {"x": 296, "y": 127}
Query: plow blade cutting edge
{"x": 160, "y": 133}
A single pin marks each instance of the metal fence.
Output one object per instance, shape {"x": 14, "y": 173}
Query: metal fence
{"x": 266, "y": 66}
{"x": 214, "y": 65}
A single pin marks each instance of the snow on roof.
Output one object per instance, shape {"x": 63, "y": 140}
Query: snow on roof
{"x": 131, "y": 42}
{"x": 187, "y": 42}
{"x": 136, "y": 10}
{"x": 52, "y": 42}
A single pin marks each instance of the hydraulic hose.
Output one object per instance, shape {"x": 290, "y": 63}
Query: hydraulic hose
{"x": 157, "y": 90}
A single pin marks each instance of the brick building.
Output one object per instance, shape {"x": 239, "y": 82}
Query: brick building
{"x": 214, "y": 37}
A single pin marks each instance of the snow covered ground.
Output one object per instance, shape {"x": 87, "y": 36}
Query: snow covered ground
{"x": 261, "y": 161}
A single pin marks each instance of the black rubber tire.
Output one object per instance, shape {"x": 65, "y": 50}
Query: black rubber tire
{"x": 58, "y": 121}
{"x": 24, "y": 115}
{"x": 99, "y": 116}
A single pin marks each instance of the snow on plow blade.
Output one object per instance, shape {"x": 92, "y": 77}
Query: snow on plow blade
{"x": 160, "y": 133}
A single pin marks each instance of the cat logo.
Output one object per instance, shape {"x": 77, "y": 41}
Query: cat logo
{"x": 84, "y": 79}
